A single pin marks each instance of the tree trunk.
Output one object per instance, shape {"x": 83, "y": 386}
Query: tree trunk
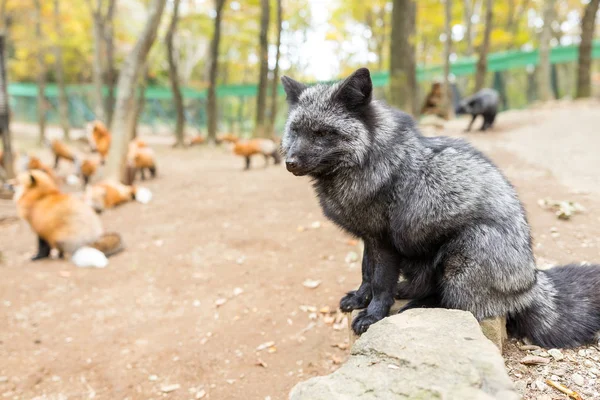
{"x": 483, "y": 53}
{"x": 214, "y": 66}
{"x": 41, "y": 72}
{"x": 174, "y": 77}
{"x": 447, "y": 49}
{"x": 544, "y": 86}
{"x": 275, "y": 82}
{"x": 7, "y": 154}
{"x": 263, "y": 79}
{"x": 63, "y": 102}
{"x": 403, "y": 70}
{"x": 128, "y": 80}
{"x": 584, "y": 71}
{"x": 109, "y": 70}
{"x": 97, "y": 32}
{"x": 469, "y": 27}
{"x": 140, "y": 102}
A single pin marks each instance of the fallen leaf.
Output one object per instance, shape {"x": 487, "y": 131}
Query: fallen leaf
{"x": 341, "y": 325}
{"x": 341, "y": 346}
{"x": 315, "y": 225}
{"x": 170, "y": 388}
{"x": 308, "y": 308}
{"x": 336, "y": 360}
{"x": 261, "y": 363}
{"x": 311, "y": 284}
{"x": 220, "y": 302}
{"x": 328, "y": 319}
{"x": 201, "y": 394}
{"x": 237, "y": 291}
{"x": 534, "y": 360}
{"x": 272, "y": 350}
{"x": 351, "y": 257}
{"x": 325, "y": 310}
{"x": 265, "y": 345}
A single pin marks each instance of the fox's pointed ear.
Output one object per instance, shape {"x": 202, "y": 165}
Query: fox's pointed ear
{"x": 356, "y": 90}
{"x": 32, "y": 179}
{"x": 292, "y": 88}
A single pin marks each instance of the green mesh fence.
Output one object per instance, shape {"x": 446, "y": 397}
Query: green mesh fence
{"x": 511, "y": 73}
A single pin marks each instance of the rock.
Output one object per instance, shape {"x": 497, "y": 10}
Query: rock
{"x": 556, "y": 354}
{"x": 540, "y": 385}
{"x": 578, "y": 379}
{"x": 3, "y": 379}
{"x": 439, "y": 354}
{"x": 559, "y": 372}
{"x": 494, "y": 328}
{"x": 520, "y": 386}
{"x": 534, "y": 360}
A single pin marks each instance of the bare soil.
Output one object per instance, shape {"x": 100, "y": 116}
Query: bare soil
{"x": 215, "y": 268}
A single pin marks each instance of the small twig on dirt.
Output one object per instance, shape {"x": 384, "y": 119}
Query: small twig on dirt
{"x": 572, "y": 394}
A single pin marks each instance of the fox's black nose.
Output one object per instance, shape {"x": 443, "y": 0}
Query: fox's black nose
{"x": 291, "y": 165}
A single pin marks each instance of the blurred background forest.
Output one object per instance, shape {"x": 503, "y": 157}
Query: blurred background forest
{"x": 531, "y": 47}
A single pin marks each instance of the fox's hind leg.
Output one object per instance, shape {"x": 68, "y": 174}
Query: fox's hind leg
{"x": 361, "y": 297}
{"x": 385, "y": 273}
{"x": 43, "y": 250}
{"x": 266, "y": 160}
{"x": 143, "y": 174}
{"x": 152, "y": 170}
{"x": 56, "y": 160}
{"x": 247, "y": 163}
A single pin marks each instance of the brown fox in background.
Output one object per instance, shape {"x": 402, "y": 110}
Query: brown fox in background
{"x": 62, "y": 221}
{"x": 100, "y": 140}
{"x": 109, "y": 194}
{"x": 61, "y": 152}
{"x": 140, "y": 158}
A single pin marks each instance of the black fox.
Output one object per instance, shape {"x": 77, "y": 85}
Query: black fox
{"x": 484, "y": 103}
{"x": 433, "y": 210}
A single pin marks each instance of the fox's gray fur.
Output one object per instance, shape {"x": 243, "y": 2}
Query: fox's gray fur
{"x": 484, "y": 103}
{"x": 433, "y": 210}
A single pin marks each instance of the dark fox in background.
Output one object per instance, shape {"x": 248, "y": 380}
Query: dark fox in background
{"x": 433, "y": 210}
{"x": 484, "y": 103}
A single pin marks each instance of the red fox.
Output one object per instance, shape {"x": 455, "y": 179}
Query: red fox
{"x": 101, "y": 139}
{"x": 62, "y": 221}
{"x": 33, "y": 162}
{"x": 250, "y": 147}
{"x": 197, "y": 140}
{"x": 86, "y": 169}
{"x": 61, "y": 151}
{"x": 140, "y": 157}
{"x": 109, "y": 194}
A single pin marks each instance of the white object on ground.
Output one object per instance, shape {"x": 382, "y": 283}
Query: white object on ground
{"x": 72, "y": 180}
{"x": 143, "y": 195}
{"x": 88, "y": 257}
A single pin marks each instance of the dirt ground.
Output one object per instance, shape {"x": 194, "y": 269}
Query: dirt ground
{"x": 209, "y": 299}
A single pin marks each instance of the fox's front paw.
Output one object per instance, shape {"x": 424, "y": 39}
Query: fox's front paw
{"x": 353, "y": 301}
{"x": 363, "y": 321}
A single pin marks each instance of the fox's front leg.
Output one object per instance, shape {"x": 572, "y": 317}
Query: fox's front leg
{"x": 385, "y": 273}
{"x": 360, "y": 298}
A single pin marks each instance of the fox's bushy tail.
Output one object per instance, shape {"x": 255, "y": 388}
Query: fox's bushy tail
{"x": 565, "y": 310}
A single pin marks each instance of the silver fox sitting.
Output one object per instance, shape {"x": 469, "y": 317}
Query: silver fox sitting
{"x": 435, "y": 211}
